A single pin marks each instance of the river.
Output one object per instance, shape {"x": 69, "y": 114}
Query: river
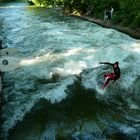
{"x": 53, "y": 95}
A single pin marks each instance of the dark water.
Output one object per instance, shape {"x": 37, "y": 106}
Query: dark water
{"x": 53, "y": 95}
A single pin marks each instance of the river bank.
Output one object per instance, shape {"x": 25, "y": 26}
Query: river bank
{"x": 124, "y": 19}
{"x": 135, "y": 33}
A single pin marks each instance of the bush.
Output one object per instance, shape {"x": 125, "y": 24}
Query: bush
{"x": 126, "y": 12}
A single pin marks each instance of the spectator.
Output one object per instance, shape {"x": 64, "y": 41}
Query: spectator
{"x": 105, "y": 15}
{"x": 111, "y": 10}
{"x": 109, "y": 14}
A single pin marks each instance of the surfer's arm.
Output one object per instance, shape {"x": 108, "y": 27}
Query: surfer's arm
{"x": 106, "y": 63}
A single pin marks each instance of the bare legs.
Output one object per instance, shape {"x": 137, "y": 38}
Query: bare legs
{"x": 108, "y": 78}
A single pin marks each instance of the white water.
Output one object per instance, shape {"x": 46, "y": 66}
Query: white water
{"x": 64, "y": 46}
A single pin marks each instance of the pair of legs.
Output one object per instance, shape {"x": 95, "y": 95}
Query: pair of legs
{"x": 108, "y": 77}
{"x": 105, "y": 17}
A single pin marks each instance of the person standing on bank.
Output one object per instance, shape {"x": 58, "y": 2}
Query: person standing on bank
{"x": 111, "y": 10}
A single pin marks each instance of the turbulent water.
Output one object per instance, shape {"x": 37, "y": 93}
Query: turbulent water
{"x": 53, "y": 95}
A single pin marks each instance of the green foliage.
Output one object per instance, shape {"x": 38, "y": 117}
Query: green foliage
{"x": 130, "y": 12}
{"x": 126, "y": 12}
{"x": 94, "y": 7}
{"x": 52, "y": 3}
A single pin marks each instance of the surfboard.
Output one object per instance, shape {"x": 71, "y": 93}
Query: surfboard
{"x": 9, "y": 63}
{"x": 8, "y": 51}
{"x": 99, "y": 84}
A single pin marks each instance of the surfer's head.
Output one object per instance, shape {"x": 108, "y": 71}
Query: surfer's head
{"x": 116, "y": 64}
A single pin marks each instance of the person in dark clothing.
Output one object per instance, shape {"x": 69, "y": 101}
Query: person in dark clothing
{"x": 112, "y": 76}
{"x": 108, "y": 14}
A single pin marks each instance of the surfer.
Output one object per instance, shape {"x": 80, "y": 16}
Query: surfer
{"x": 112, "y": 76}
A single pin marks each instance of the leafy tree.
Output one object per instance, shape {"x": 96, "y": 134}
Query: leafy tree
{"x": 126, "y": 12}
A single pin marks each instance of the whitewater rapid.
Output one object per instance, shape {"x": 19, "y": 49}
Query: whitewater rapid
{"x": 55, "y": 50}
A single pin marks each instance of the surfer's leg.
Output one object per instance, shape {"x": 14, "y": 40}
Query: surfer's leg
{"x": 107, "y": 82}
{"x": 106, "y": 77}
{"x": 109, "y": 77}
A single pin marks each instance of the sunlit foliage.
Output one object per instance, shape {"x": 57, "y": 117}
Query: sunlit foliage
{"x": 126, "y": 12}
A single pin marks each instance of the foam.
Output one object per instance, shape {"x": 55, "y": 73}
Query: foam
{"x": 75, "y": 46}
{"x": 58, "y": 93}
{"x": 54, "y": 95}
{"x": 18, "y": 115}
